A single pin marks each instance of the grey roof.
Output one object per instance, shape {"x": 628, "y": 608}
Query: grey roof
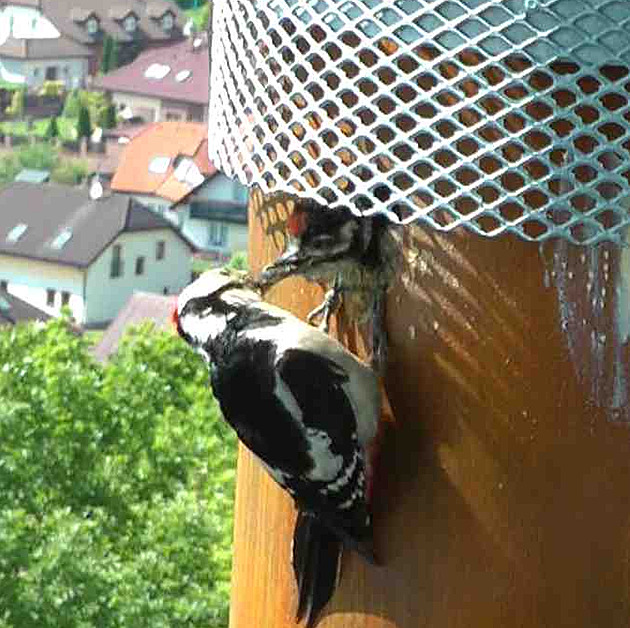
{"x": 70, "y": 16}
{"x": 141, "y": 306}
{"x": 32, "y": 175}
{"x": 61, "y": 47}
{"x": 48, "y": 211}
{"x": 14, "y": 310}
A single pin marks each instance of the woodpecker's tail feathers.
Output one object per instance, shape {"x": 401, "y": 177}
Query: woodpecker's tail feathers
{"x": 316, "y": 565}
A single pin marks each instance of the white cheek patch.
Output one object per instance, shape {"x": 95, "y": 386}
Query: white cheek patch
{"x": 203, "y": 328}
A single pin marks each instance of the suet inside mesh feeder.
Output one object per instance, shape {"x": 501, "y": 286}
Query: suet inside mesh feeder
{"x": 498, "y": 116}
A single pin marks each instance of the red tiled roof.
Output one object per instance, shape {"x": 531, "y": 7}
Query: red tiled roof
{"x": 168, "y": 140}
{"x": 141, "y": 306}
{"x": 180, "y": 58}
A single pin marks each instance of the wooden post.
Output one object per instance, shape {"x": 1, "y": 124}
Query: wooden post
{"x": 502, "y": 497}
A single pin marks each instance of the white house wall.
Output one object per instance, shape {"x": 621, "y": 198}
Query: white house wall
{"x": 148, "y": 108}
{"x": 32, "y": 72}
{"x": 30, "y": 280}
{"x": 107, "y": 295}
{"x": 221, "y": 188}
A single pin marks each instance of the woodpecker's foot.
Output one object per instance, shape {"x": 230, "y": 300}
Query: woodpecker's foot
{"x": 328, "y": 307}
{"x": 379, "y": 334}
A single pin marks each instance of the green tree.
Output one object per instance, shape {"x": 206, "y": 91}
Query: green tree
{"x": 107, "y": 116}
{"x": 106, "y": 59}
{"x": 117, "y": 483}
{"x": 114, "y": 59}
{"x": 84, "y": 123}
{"x": 72, "y": 104}
{"x": 52, "y": 130}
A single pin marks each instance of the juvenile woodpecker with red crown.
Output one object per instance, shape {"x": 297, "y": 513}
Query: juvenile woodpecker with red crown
{"x": 353, "y": 254}
{"x": 304, "y": 406}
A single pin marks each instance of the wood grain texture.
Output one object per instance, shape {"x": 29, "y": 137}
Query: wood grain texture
{"x": 502, "y": 493}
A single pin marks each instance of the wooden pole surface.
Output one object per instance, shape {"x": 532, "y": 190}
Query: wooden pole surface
{"x": 502, "y": 497}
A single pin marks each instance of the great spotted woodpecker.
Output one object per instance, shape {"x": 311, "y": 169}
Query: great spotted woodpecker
{"x": 304, "y": 406}
{"x": 354, "y": 255}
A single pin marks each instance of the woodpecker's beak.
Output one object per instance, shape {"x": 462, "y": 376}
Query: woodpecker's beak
{"x": 287, "y": 264}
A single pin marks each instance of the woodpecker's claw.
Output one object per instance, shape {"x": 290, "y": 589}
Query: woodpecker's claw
{"x": 328, "y": 307}
{"x": 330, "y": 304}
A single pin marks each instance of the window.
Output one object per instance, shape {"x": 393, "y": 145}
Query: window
{"x": 116, "y": 269}
{"x": 17, "y": 232}
{"x": 62, "y": 238}
{"x": 168, "y": 22}
{"x": 51, "y": 73}
{"x": 92, "y": 26}
{"x": 65, "y": 298}
{"x": 160, "y": 250}
{"x": 130, "y": 23}
{"x": 140, "y": 265}
{"x": 50, "y": 297}
{"x": 4, "y": 285}
{"x": 165, "y": 290}
{"x": 218, "y": 234}
{"x": 35, "y": 71}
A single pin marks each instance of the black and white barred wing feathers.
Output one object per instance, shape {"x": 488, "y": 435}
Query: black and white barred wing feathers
{"x": 294, "y": 409}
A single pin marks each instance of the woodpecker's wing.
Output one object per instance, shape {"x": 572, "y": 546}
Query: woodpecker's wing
{"x": 292, "y": 410}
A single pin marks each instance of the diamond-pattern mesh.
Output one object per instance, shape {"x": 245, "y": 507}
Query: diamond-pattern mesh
{"x": 500, "y": 115}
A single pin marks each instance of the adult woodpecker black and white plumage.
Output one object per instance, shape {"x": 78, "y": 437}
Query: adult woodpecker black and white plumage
{"x": 355, "y": 255}
{"x": 304, "y": 406}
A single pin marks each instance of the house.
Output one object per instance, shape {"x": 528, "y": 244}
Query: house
{"x": 167, "y": 83}
{"x": 33, "y": 50}
{"x": 63, "y": 39}
{"x": 60, "y": 247}
{"x": 14, "y": 310}
{"x": 166, "y": 167}
{"x": 141, "y": 307}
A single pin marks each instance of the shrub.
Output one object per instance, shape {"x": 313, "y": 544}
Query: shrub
{"x": 18, "y": 104}
{"x": 51, "y": 89}
{"x": 70, "y": 172}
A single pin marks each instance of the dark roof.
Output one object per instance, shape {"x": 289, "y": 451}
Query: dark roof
{"x": 70, "y": 16}
{"x": 50, "y": 210}
{"x": 142, "y": 306}
{"x": 43, "y": 48}
{"x": 14, "y": 310}
{"x": 187, "y": 81}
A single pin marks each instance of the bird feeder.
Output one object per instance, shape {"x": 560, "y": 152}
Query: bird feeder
{"x": 495, "y": 135}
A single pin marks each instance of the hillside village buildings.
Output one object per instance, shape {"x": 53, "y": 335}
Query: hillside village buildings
{"x": 155, "y": 200}
{"x": 58, "y": 247}
{"x": 62, "y": 40}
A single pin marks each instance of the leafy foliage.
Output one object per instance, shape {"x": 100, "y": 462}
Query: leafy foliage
{"x": 117, "y": 484}
{"x": 106, "y": 59}
{"x": 43, "y": 157}
{"x": 84, "y": 122}
{"x": 107, "y": 116}
{"x": 52, "y": 130}
{"x": 72, "y": 104}
{"x": 18, "y": 104}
